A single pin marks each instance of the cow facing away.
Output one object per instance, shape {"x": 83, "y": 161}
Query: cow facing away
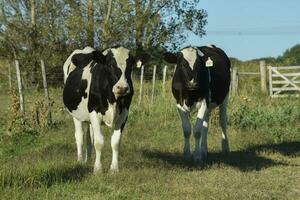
{"x": 201, "y": 81}
{"x": 98, "y": 89}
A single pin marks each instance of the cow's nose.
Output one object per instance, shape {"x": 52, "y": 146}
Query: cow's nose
{"x": 122, "y": 90}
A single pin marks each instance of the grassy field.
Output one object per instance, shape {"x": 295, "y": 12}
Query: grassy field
{"x": 264, "y": 162}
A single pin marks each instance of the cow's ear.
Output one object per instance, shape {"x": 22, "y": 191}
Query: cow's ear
{"x": 141, "y": 59}
{"x": 99, "y": 57}
{"x": 170, "y": 57}
{"x": 81, "y": 59}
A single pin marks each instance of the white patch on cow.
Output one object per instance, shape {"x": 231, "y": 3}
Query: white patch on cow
{"x": 190, "y": 55}
{"x": 200, "y": 53}
{"x": 110, "y": 115}
{"x": 139, "y": 64}
{"x": 69, "y": 66}
{"x": 98, "y": 139}
{"x": 115, "y": 140}
{"x": 81, "y": 113}
{"x": 121, "y": 55}
{"x": 183, "y": 107}
{"x": 79, "y": 138}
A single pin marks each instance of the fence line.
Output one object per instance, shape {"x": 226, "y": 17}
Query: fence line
{"x": 289, "y": 84}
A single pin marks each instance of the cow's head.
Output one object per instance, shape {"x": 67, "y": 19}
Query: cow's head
{"x": 120, "y": 63}
{"x": 111, "y": 69}
{"x": 189, "y": 62}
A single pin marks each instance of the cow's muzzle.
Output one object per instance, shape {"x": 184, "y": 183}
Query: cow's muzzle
{"x": 121, "y": 90}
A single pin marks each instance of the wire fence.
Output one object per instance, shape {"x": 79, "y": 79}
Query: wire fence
{"x": 155, "y": 77}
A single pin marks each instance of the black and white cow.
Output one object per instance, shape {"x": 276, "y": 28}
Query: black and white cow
{"x": 98, "y": 89}
{"x": 201, "y": 81}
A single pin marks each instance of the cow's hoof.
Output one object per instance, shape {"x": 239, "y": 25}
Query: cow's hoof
{"x": 97, "y": 169}
{"x": 225, "y": 147}
{"x": 80, "y": 160}
{"x": 198, "y": 161}
{"x": 204, "y": 155}
{"x": 187, "y": 156}
{"x": 225, "y": 151}
{"x": 114, "y": 170}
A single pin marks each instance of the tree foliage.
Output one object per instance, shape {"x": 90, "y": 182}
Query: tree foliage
{"x": 40, "y": 29}
{"x": 291, "y": 56}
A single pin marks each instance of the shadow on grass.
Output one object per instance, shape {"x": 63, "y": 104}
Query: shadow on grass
{"x": 64, "y": 174}
{"x": 245, "y": 160}
{"x": 45, "y": 177}
{"x": 57, "y": 149}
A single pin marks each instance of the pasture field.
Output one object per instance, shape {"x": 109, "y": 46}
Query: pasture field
{"x": 264, "y": 163}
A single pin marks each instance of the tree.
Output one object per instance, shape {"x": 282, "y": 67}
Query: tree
{"x": 291, "y": 56}
{"x": 31, "y": 30}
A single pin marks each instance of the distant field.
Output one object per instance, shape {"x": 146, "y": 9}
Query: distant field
{"x": 264, "y": 162}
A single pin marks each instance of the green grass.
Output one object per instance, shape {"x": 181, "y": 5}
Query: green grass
{"x": 264, "y": 162}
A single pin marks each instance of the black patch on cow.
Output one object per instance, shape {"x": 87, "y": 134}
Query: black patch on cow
{"x": 74, "y": 89}
{"x": 215, "y": 87}
{"x": 81, "y": 60}
{"x": 101, "y": 89}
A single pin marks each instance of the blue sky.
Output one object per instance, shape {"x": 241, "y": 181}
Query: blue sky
{"x": 250, "y": 29}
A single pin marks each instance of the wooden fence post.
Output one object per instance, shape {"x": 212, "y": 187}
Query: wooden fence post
{"x": 46, "y": 91}
{"x": 9, "y": 76}
{"x": 22, "y": 105}
{"x": 263, "y": 76}
{"x": 153, "y": 84}
{"x": 234, "y": 81}
{"x": 270, "y": 81}
{"x": 141, "y": 84}
{"x": 164, "y": 80}
{"x": 175, "y": 66}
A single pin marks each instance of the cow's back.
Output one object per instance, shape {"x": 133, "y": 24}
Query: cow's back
{"x": 219, "y": 72}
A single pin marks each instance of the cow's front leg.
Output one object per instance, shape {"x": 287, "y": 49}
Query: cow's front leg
{"x": 223, "y": 124}
{"x": 197, "y": 131}
{"x": 115, "y": 140}
{"x": 186, "y": 126}
{"x": 79, "y": 138}
{"x": 98, "y": 139}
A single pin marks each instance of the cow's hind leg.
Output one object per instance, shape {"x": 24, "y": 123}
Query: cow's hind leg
{"x": 79, "y": 138}
{"x": 98, "y": 140}
{"x": 223, "y": 124}
{"x": 89, "y": 143}
{"x": 197, "y": 131}
{"x": 186, "y": 126}
{"x": 115, "y": 140}
{"x": 204, "y": 130}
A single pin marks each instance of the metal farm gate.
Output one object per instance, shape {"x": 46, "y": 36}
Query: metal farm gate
{"x": 284, "y": 81}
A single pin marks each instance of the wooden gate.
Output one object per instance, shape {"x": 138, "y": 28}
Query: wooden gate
{"x": 284, "y": 81}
